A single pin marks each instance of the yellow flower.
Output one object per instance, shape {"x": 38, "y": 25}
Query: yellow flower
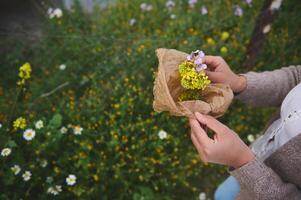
{"x": 225, "y": 35}
{"x": 95, "y": 177}
{"x": 210, "y": 41}
{"x": 224, "y": 50}
{"x": 19, "y": 123}
{"x": 190, "y": 79}
{"x": 24, "y": 73}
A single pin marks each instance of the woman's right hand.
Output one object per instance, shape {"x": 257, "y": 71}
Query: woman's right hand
{"x": 219, "y": 72}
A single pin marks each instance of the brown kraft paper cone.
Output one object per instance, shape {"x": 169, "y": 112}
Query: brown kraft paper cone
{"x": 167, "y": 88}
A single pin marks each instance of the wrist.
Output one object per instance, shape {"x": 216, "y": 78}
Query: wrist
{"x": 245, "y": 158}
{"x": 241, "y": 84}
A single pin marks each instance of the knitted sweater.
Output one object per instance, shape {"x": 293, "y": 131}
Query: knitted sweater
{"x": 279, "y": 176}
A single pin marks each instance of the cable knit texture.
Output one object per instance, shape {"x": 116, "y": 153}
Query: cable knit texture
{"x": 279, "y": 176}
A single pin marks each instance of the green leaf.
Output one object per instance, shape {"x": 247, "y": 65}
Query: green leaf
{"x": 11, "y": 143}
{"x": 56, "y": 121}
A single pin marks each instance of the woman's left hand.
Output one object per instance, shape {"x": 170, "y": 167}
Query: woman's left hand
{"x": 225, "y": 148}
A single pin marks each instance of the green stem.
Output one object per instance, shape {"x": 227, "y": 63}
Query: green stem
{"x": 14, "y": 107}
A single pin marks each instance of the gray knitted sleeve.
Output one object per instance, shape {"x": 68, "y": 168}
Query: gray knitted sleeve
{"x": 269, "y": 88}
{"x": 258, "y": 181}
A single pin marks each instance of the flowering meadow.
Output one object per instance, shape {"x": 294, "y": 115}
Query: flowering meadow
{"x": 76, "y": 117}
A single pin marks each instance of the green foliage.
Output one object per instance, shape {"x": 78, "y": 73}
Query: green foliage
{"x": 56, "y": 121}
{"x": 106, "y": 89}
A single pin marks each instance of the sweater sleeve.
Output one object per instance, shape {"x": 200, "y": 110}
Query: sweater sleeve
{"x": 261, "y": 182}
{"x": 269, "y": 88}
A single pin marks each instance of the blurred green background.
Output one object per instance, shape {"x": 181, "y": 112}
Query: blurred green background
{"x": 96, "y": 70}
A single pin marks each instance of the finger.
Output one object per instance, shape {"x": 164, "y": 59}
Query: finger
{"x": 216, "y": 77}
{"x": 199, "y": 132}
{"x": 211, "y": 61}
{"x": 198, "y": 147}
{"x": 211, "y": 123}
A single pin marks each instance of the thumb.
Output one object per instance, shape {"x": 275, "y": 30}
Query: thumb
{"x": 216, "y": 77}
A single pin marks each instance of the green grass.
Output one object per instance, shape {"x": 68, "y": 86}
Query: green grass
{"x": 110, "y": 74}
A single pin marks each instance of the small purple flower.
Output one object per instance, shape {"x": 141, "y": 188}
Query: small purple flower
{"x": 249, "y": 2}
{"x": 192, "y": 3}
{"x": 170, "y": 4}
{"x": 145, "y": 7}
{"x": 201, "y": 54}
{"x": 200, "y": 68}
{"x": 189, "y": 57}
{"x": 204, "y": 10}
{"x": 198, "y": 61}
{"x": 238, "y": 11}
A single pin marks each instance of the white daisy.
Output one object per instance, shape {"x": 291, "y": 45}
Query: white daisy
{"x": 251, "y": 138}
{"x": 16, "y": 169}
{"x": 132, "y": 22}
{"x": 49, "y": 11}
{"x": 276, "y": 4}
{"x": 162, "y": 134}
{"x": 71, "y": 179}
{"x": 62, "y": 67}
{"x": 44, "y": 163}
{"x": 39, "y": 124}
{"x": 58, "y": 13}
{"x": 77, "y": 130}
{"x": 26, "y": 175}
{"x": 63, "y": 130}
{"x": 149, "y": 7}
{"x": 49, "y": 179}
{"x": 5, "y": 152}
{"x": 54, "y": 190}
{"x": 202, "y": 196}
{"x": 173, "y": 16}
{"x": 266, "y": 29}
{"x": 0, "y": 125}
{"x": 29, "y": 134}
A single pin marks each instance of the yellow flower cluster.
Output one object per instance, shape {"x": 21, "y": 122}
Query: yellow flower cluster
{"x": 24, "y": 73}
{"x": 190, "y": 79}
{"x": 19, "y": 123}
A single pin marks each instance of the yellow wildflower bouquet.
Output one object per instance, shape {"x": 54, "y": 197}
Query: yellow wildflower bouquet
{"x": 182, "y": 86}
{"x": 193, "y": 77}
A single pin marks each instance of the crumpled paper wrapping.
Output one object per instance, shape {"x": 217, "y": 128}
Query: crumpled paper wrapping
{"x": 167, "y": 88}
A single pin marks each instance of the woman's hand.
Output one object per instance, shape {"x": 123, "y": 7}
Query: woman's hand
{"x": 220, "y": 72}
{"x": 226, "y": 147}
